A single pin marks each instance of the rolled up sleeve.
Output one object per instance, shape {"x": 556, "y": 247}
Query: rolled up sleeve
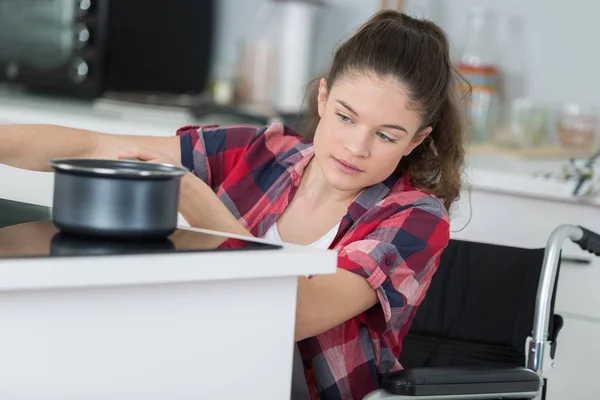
{"x": 398, "y": 259}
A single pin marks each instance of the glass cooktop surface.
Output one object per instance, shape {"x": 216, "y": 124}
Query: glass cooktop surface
{"x": 27, "y": 231}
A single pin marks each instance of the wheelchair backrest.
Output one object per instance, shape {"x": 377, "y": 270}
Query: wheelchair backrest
{"x": 478, "y": 309}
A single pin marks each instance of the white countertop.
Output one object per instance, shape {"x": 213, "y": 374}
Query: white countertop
{"x": 114, "y": 270}
{"x": 487, "y": 179}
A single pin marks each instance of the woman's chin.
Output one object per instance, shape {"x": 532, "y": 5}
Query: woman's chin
{"x": 344, "y": 183}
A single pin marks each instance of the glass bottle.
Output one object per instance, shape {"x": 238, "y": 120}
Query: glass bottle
{"x": 478, "y": 65}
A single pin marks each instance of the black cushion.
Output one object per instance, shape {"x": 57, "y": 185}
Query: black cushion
{"x": 433, "y": 351}
{"x": 462, "y": 381}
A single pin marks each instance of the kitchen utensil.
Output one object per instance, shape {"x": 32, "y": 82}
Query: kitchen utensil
{"x": 115, "y": 198}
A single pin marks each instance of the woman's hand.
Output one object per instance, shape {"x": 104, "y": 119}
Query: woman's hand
{"x": 149, "y": 155}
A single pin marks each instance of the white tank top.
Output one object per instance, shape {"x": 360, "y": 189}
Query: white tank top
{"x": 322, "y": 243}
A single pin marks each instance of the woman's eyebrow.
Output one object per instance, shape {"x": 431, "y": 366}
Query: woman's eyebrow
{"x": 391, "y": 126}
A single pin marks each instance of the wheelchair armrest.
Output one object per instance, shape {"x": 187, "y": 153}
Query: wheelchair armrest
{"x": 456, "y": 381}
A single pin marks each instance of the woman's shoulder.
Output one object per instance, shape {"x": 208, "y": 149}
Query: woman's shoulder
{"x": 256, "y": 145}
{"x": 407, "y": 210}
{"x": 406, "y": 196}
{"x": 275, "y": 135}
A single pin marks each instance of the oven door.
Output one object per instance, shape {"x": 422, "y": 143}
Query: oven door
{"x": 52, "y": 43}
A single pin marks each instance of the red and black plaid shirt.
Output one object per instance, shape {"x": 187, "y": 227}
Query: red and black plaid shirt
{"x": 392, "y": 235}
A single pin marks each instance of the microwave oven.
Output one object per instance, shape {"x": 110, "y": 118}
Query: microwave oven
{"x": 83, "y": 48}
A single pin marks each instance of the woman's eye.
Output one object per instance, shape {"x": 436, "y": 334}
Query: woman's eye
{"x": 385, "y": 137}
{"x": 344, "y": 118}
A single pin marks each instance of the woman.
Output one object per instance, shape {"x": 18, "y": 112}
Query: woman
{"x": 373, "y": 178}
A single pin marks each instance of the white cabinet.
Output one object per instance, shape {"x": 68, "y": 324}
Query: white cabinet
{"x": 518, "y": 220}
{"x": 152, "y": 326}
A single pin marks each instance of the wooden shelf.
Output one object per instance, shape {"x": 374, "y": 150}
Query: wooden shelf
{"x": 546, "y": 152}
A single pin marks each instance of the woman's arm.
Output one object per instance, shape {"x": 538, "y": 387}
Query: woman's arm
{"x": 390, "y": 268}
{"x": 322, "y": 302}
{"x": 33, "y": 146}
{"x": 328, "y": 300}
{"x": 201, "y": 208}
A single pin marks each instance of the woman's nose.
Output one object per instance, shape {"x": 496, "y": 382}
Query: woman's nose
{"x": 358, "y": 144}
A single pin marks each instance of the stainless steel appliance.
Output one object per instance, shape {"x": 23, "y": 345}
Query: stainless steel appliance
{"x": 85, "y": 47}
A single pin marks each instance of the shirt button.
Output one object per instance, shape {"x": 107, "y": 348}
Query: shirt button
{"x": 389, "y": 261}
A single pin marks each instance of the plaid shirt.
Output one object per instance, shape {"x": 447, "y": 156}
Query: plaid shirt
{"x": 392, "y": 236}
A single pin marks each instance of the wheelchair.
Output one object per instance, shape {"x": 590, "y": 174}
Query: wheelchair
{"x": 486, "y": 328}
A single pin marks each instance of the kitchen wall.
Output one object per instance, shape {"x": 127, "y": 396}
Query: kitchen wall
{"x": 562, "y": 61}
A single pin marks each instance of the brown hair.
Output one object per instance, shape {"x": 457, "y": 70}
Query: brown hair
{"x": 417, "y": 53}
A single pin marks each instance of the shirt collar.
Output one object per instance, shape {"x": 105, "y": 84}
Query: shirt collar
{"x": 369, "y": 197}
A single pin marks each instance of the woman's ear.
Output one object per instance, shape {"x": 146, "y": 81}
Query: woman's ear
{"x": 418, "y": 139}
{"x": 322, "y": 97}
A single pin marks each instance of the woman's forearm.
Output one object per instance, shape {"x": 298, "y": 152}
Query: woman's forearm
{"x": 32, "y": 146}
{"x": 201, "y": 208}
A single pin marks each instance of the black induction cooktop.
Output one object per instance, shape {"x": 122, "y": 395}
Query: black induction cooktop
{"x": 28, "y": 231}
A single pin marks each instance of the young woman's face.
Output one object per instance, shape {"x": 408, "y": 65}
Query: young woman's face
{"x": 366, "y": 127}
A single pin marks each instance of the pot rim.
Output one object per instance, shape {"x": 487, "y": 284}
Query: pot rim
{"x": 107, "y": 167}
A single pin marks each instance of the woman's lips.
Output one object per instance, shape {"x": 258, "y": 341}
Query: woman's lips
{"x": 347, "y": 167}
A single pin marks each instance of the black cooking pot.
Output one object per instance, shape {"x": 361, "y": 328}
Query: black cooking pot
{"x": 115, "y": 198}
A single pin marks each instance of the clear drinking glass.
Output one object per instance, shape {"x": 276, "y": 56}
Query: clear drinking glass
{"x": 524, "y": 126}
{"x": 577, "y": 127}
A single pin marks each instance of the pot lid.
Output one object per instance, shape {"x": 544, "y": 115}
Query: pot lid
{"x": 116, "y": 168}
